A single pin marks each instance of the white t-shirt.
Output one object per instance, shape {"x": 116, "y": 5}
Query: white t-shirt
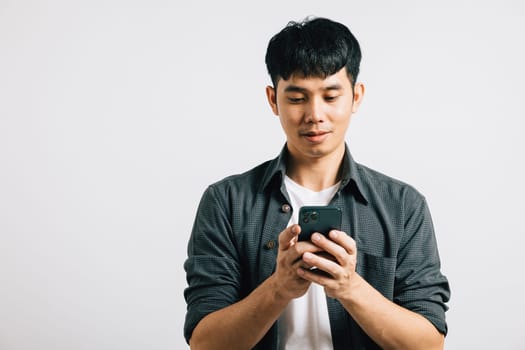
{"x": 305, "y": 324}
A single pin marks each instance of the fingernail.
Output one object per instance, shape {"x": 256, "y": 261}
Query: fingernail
{"x": 316, "y": 237}
{"x": 333, "y": 234}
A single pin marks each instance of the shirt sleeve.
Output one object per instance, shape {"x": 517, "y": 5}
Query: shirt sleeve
{"x": 420, "y": 286}
{"x": 212, "y": 268}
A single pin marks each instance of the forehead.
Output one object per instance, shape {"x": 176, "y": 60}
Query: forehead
{"x": 298, "y": 82}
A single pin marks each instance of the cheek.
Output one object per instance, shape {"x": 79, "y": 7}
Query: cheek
{"x": 342, "y": 122}
{"x": 347, "y": 108}
{"x": 290, "y": 116}
{"x": 286, "y": 123}
{"x": 342, "y": 115}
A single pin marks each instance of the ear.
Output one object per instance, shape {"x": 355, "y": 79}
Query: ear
{"x": 359, "y": 92}
{"x": 271, "y": 95}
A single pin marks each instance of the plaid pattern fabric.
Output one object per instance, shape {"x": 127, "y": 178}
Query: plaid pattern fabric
{"x": 233, "y": 245}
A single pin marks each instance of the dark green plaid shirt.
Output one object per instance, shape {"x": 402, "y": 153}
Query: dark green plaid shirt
{"x": 233, "y": 245}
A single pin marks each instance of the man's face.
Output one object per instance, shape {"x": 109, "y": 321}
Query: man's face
{"x": 315, "y": 112}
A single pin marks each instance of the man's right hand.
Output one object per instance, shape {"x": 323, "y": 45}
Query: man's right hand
{"x": 289, "y": 285}
{"x": 222, "y": 329}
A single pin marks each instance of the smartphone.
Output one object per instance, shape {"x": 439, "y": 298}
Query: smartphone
{"x": 320, "y": 219}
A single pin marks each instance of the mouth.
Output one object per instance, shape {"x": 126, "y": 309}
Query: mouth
{"x": 315, "y": 136}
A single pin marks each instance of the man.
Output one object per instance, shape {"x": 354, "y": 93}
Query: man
{"x": 250, "y": 281}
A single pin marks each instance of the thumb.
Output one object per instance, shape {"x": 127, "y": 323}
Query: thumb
{"x": 289, "y": 236}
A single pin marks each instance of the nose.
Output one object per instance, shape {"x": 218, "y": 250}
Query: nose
{"x": 314, "y": 111}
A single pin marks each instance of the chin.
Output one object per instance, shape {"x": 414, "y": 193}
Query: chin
{"x": 316, "y": 152}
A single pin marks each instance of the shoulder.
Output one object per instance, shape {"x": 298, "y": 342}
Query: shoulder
{"x": 379, "y": 186}
{"x": 244, "y": 184}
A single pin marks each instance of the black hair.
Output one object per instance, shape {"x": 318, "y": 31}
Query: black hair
{"x": 315, "y": 47}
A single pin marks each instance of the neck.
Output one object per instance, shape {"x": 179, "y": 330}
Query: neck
{"x": 316, "y": 173}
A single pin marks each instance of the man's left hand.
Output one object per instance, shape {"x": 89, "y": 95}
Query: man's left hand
{"x": 338, "y": 267}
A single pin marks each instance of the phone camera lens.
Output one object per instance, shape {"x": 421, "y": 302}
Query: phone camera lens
{"x": 306, "y": 219}
{"x": 314, "y": 216}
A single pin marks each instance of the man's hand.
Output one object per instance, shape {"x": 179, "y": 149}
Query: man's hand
{"x": 339, "y": 265}
{"x": 288, "y": 282}
{"x": 389, "y": 325}
{"x": 222, "y": 329}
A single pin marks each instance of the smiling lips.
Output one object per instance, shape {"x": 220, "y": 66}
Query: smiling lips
{"x": 315, "y": 136}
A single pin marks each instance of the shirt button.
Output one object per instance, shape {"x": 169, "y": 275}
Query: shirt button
{"x": 285, "y": 208}
{"x": 270, "y": 244}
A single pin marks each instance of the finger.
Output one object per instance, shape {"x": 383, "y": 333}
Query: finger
{"x": 339, "y": 244}
{"x": 317, "y": 276}
{"x": 289, "y": 236}
{"x": 300, "y": 263}
{"x": 343, "y": 240}
{"x": 331, "y": 247}
{"x": 328, "y": 266}
{"x": 303, "y": 247}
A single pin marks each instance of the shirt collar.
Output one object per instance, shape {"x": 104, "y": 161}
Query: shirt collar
{"x": 351, "y": 179}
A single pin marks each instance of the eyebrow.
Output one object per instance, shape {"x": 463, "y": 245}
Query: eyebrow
{"x": 295, "y": 88}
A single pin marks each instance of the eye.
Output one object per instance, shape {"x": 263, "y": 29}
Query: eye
{"x": 331, "y": 98}
{"x": 295, "y": 99}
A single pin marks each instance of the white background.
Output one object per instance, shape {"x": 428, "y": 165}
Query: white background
{"x": 116, "y": 115}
